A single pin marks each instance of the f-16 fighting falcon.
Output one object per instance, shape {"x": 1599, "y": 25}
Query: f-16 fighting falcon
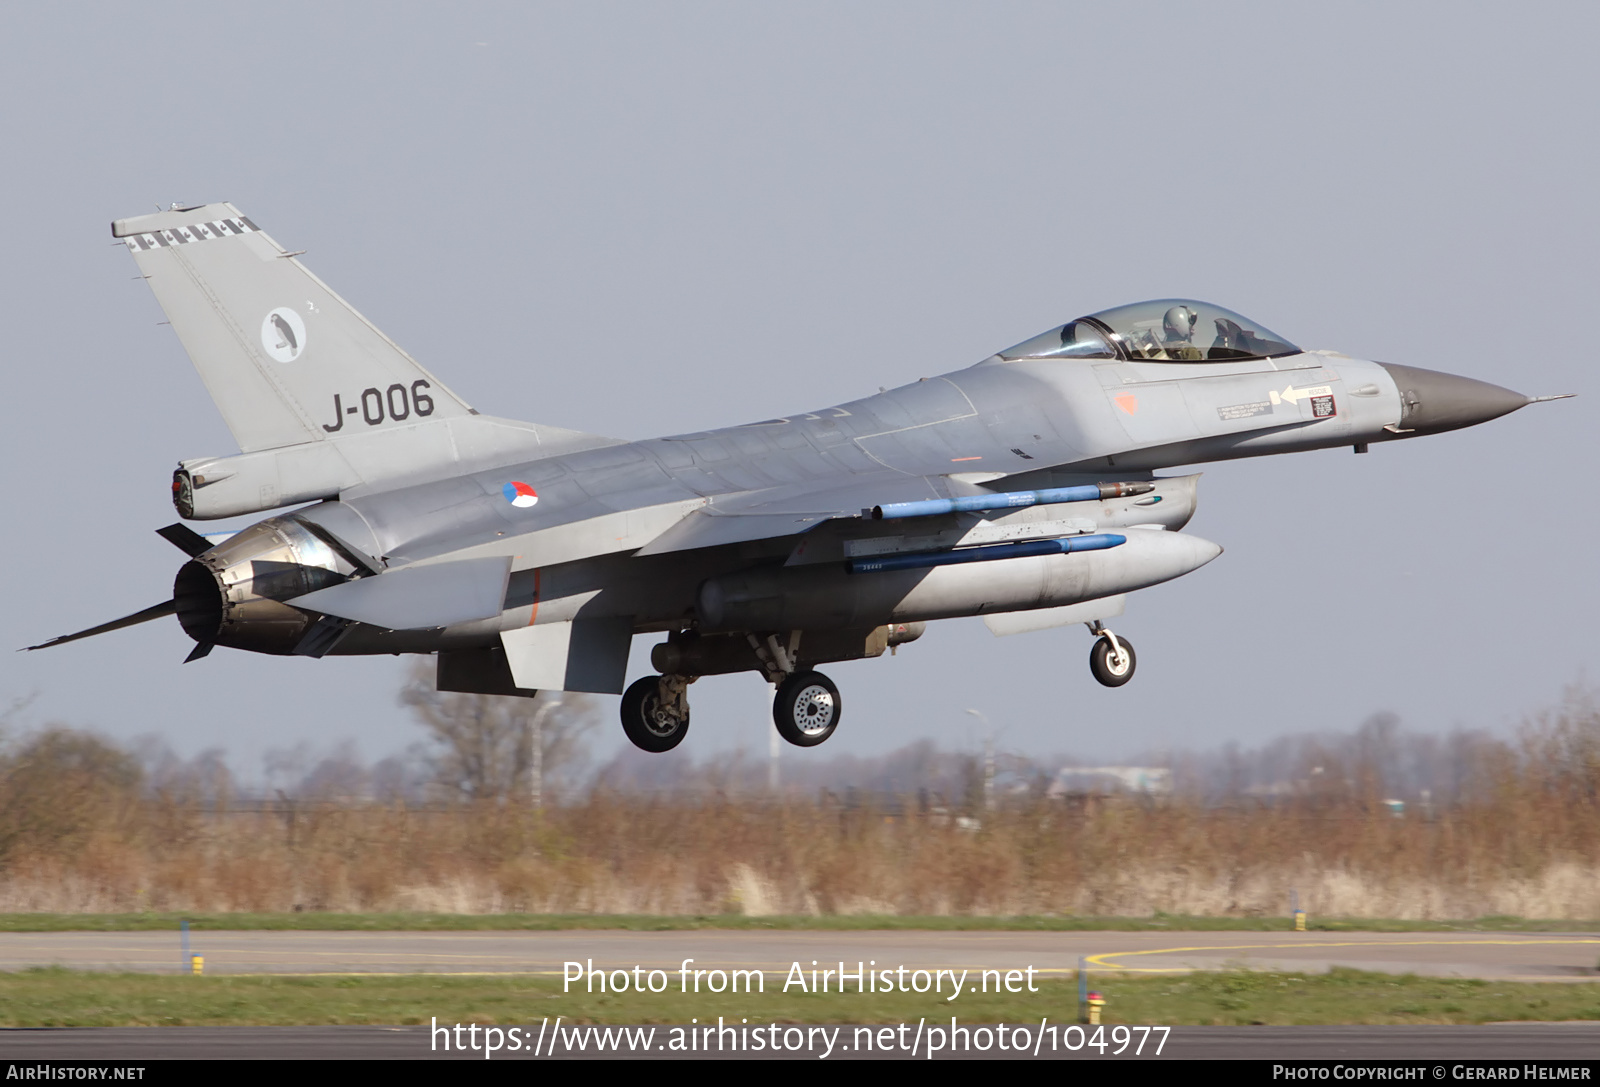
{"x": 525, "y": 557}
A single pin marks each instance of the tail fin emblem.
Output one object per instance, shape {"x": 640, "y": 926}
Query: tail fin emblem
{"x": 283, "y": 334}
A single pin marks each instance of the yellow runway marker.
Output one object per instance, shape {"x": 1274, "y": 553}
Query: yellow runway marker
{"x": 1100, "y": 961}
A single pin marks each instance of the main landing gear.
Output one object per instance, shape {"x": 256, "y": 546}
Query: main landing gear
{"x": 655, "y": 712}
{"x": 1111, "y": 658}
{"x": 805, "y": 709}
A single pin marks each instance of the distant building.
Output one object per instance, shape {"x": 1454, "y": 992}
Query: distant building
{"x": 1099, "y": 780}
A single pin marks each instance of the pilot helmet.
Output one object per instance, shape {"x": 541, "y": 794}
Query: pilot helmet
{"x": 1179, "y": 323}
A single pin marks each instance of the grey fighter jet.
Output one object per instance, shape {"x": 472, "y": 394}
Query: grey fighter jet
{"x": 526, "y": 557}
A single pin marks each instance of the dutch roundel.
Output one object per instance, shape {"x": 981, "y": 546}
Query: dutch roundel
{"x": 520, "y": 494}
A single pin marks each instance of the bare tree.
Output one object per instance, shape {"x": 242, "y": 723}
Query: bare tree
{"x": 59, "y": 785}
{"x": 495, "y": 747}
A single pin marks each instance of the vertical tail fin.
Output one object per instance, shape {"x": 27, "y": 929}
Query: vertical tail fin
{"x": 286, "y": 360}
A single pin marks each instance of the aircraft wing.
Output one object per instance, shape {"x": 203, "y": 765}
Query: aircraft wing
{"x": 788, "y": 511}
{"x": 791, "y": 510}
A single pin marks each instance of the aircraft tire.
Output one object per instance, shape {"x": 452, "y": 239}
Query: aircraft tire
{"x": 647, "y": 727}
{"x": 806, "y": 708}
{"x": 1103, "y": 662}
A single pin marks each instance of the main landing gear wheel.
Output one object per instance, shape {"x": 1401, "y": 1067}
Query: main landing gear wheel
{"x": 806, "y": 708}
{"x": 652, "y": 723}
{"x": 1109, "y": 667}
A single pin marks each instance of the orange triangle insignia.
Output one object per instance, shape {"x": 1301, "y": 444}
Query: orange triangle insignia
{"x": 1127, "y": 402}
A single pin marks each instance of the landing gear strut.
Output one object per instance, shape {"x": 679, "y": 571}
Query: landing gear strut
{"x": 655, "y": 712}
{"x": 1111, "y": 659}
{"x": 807, "y": 705}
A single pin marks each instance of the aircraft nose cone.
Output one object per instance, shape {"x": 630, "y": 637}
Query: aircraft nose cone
{"x": 1432, "y": 402}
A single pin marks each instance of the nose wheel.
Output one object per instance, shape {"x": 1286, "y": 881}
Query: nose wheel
{"x": 1111, "y": 659}
{"x": 655, "y": 712}
{"x": 806, "y": 708}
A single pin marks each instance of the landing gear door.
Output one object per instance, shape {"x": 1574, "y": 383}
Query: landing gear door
{"x": 582, "y": 655}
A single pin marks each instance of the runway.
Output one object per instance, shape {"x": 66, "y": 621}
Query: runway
{"x": 1546, "y": 957}
{"x": 1500, "y": 955}
{"x": 1438, "y": 1051}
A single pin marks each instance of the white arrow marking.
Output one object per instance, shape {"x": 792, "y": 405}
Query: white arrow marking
{"x": 1294, "y": 395}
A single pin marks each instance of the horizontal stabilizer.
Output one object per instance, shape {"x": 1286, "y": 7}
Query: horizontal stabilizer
{"x": 1025, "y": 622}
{"x": 156, "y": 612}
{"x": 418, "y": 597}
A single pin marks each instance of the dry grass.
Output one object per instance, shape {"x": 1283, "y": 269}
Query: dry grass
{"x": 626, "y": 855}
{"x": 1520, "y": 835}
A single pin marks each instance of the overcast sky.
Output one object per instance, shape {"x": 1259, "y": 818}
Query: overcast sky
{"x": 643, "y": 219}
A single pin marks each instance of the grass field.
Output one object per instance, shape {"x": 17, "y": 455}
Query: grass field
{"x": 62, "y": 998}
{"x": 535, "y": 922}
{"x": 1510, "y": 830}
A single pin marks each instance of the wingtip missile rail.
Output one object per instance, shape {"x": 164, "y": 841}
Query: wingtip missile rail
{"x": 1005, "y": 500}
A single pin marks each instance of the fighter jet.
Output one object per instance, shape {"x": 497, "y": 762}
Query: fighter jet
{"x": 526, "y": 557}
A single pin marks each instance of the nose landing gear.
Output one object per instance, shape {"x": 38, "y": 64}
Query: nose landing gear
{"x": 1111, "y": 659}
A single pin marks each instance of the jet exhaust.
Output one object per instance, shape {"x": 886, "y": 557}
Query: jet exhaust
{"x": 233, "y": 594}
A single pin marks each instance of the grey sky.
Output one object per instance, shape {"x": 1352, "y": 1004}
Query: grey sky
{"x": 640, "y": 219}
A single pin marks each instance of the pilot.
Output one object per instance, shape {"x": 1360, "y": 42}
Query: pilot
{"x": 1177, "y": 330}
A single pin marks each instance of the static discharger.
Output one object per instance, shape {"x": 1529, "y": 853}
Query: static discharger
{"x": 1005, "y": 500}
{"x": 1098, "y": 541}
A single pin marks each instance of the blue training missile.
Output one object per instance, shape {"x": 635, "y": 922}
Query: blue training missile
{"x": 1098, "y": 541}
{"x": 1004, "y": 500}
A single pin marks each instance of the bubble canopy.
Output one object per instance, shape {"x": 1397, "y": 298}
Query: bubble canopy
{"x": 1161, "y": 330}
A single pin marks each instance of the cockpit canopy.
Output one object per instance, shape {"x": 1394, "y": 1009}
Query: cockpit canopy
{"x": 1163, "y": 330}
